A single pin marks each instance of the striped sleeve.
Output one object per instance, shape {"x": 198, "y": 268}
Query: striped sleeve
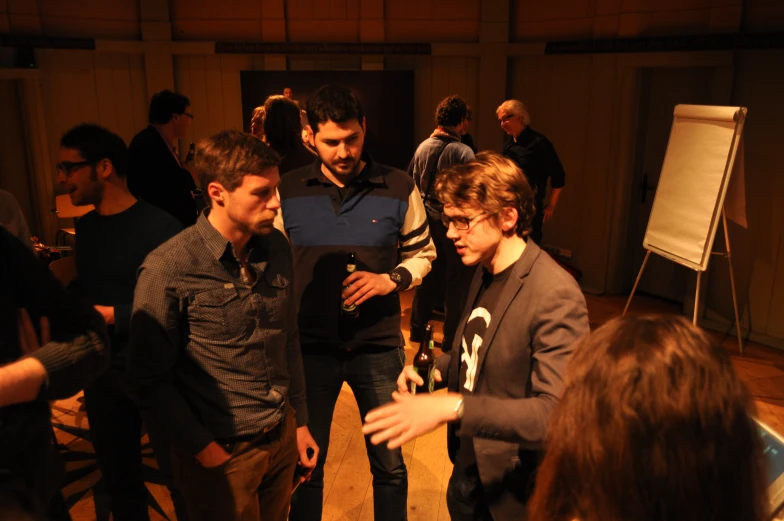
{"x": 416, "y": 247}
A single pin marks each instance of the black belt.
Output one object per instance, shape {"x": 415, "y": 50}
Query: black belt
{"x": 270, "y": 432}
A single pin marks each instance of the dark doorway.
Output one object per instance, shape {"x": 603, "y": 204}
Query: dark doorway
{"x": 661, "y": 90}
{"x": 386, "y": 96}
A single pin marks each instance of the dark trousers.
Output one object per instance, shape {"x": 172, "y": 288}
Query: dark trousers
{"x": 371, "y": 372}
{"x": 537, "y": 223}
{"x": 30, "y": 470}
{"x": 115, "y": 432}
{"x": 464, "y": 499}
{"x": 448, "y": 276}
{"x": 254, "y": 484}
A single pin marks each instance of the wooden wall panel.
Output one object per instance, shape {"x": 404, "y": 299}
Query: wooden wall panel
{"x": 232, "y": 93}
{"x": 69, "y": 93}
{"x": 301, "y": 9}
{"x": 582, "y": 19}
{"x": 78, "y": 87}
{"x": 214, "y": 83}
{"x": 569, "y": 99}
{"x": 432, "y": 30}
{"x": 14, "y": 171}
{"x": 323, "y": 30}
{"x": 757, "y": 251}
{"x": 139, "y": 96}
{"x": 123, "y": 93}
{"x": 104, "y": 89}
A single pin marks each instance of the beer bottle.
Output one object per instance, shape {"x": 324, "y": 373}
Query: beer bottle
{"x": 351, "y": 311}
{"x": 191, "y": 152}
{"x": 425, "y": 364}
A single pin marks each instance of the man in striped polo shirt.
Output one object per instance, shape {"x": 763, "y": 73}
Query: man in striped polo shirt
{"x": 347, "y": 203}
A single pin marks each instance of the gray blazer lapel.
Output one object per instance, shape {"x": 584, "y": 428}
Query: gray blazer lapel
{"x": 511, "y": 288}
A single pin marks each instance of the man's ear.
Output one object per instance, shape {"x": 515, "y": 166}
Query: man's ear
{"x": 104, "y": 168}
{"x": 311, "y": 135}
{"x": 508, "y": 220}
{"x": 364, "y": 125}
{"x": 216, "y": 192}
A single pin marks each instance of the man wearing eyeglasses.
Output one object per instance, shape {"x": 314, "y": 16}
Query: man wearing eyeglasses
{"x": 516, "y": 337}
{"x": 111, "y": 243}
{"x": 536, "y": 157}
{"x": 156, "y": 174}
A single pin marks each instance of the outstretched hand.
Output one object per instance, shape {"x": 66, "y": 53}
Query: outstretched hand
{"x": 409, "y": 416}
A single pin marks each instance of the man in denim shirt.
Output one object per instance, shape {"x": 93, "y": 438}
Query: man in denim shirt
{"x": 215, "y": 356}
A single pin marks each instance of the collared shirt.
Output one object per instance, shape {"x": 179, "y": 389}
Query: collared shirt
{"x": 171, "y": 146}
{"x": 382, "y": 220}
{"x": 213, "y": 356}
{"x": 441, "y": 150}
{"x": 536, "y": 157}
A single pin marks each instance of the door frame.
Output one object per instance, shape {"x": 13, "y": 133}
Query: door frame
{"x": 619, "y": 274}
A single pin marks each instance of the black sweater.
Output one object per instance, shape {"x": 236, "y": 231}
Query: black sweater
{"x": 109, "y": 251}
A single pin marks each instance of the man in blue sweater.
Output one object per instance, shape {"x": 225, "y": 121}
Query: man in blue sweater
{"x": 347, "y": 203}
{"x": 449, "y": 276}
{"x": 111, "y": 243}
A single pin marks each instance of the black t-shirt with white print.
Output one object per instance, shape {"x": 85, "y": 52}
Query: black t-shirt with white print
{"x": 466, "y": 474}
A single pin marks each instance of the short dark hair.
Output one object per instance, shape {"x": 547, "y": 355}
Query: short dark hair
{"x": 451, "y": 111}
{"x": 165, "y": 104}
{"x": 230, "y": 155}
{"x": 654, "y": 423}
{"x": 281, "y": 123}
{"x": 333, "y": 103}
{"x": 95, "y": 143}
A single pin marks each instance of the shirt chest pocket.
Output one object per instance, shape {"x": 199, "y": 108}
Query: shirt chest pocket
{"x": 273, "y": 299}
{"x": 221, "y": 315}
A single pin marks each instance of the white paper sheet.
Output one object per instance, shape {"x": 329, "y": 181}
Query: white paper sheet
{"x": 692, "y": 182}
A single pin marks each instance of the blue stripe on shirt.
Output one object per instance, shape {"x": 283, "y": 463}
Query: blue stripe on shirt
{"x": 369, "y": 221}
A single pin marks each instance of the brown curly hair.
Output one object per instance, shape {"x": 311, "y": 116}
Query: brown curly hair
{"x": 490, "y": 182}
{"x": 451, "y": 111}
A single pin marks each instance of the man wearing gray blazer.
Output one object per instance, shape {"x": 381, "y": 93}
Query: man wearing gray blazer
{"x": 505, "y": 374}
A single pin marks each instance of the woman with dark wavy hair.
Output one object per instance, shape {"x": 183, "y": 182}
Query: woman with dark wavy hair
{"x": 653, "y": 425}
{"x": 283, "y": 133}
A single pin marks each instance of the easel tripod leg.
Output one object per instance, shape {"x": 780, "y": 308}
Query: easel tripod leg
{"x": 732, "y": 280}
{"x": 636, "y": 282}
{"x": 697, "y": 297}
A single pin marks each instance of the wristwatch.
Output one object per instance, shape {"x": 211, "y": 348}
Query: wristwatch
{"x": 397, "y": 279}
{"x": 459, "y": 409}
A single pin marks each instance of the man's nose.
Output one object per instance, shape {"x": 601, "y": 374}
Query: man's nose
{"x": 343, "y": 151}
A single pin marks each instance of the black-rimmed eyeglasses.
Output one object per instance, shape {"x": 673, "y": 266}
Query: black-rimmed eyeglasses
{"x": 461, "y": 222}
{"x": 69, "y": 167}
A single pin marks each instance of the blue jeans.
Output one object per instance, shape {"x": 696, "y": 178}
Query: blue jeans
{"x": 372, "y": 372}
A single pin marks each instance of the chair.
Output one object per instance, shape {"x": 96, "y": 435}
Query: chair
{"x": 65, "y": 209}
{"x": 64, "y": 269}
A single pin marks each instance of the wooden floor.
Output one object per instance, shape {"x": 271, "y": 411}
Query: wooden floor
{"x": 348, "y": 494}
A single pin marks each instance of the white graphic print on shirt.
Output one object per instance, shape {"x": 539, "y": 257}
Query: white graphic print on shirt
{"x": 471, "y": 357}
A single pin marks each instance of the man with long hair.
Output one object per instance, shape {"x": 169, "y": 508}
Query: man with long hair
{"x": 523, "y": 314}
